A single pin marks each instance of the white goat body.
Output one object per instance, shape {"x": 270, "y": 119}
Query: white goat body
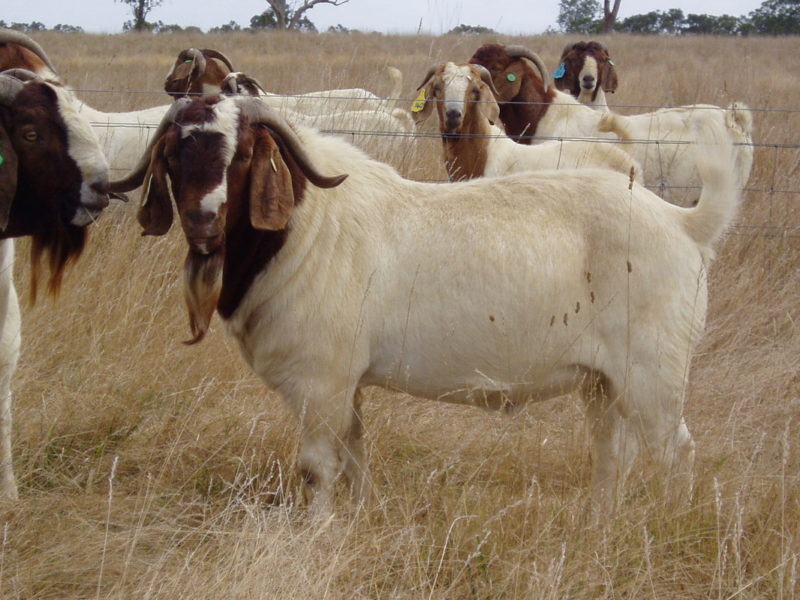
{"x": 486, "y": 292}
{"x": 660, "y": 141}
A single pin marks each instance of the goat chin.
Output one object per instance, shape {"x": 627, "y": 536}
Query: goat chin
{"x": 202, "y": 286}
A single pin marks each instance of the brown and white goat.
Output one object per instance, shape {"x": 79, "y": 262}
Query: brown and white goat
{"x": 123, "y": 135}
{"x": 18, "y": 51}
{"x": 53, "y": 182}
{"x": 203, "y": 71}
{"x": 660, "y": 141}
{"x": 587, "y": 72}
{"x": 489, "y": 292}
{"x": 473, "y": 146}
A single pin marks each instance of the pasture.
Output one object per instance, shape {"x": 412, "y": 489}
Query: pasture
{"x": 151, "y": 469}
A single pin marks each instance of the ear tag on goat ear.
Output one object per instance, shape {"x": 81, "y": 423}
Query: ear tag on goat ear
{"x": 611, "y": 62}
{"x": 188, "y": 60}
{"x": 560, "y": 71}
{"x": 419, "y": 101}
{"x": 511, "y": 77}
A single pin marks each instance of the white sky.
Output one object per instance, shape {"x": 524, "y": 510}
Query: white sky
{"x": 387, "y": 16}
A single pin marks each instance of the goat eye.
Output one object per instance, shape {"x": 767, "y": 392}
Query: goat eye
{"x": 30, "y": 136}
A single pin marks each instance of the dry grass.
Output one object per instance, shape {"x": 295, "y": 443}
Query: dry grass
{"x": 153, "y": 470}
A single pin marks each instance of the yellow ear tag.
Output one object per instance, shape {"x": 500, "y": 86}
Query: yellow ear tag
{"x": 419, "y": 102}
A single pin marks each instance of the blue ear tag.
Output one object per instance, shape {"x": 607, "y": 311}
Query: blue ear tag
{"x": 560, "y": 71}
{"x": 511, "y": 77}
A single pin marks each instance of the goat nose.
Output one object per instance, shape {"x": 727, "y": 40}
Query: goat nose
{"x": 200, "y": 218}
{"x": 453, "y": 114}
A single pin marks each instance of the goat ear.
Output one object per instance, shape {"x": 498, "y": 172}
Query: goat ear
{"x": 271, "y": 191}
{"x": 155, "y": 214}
{"x": 488, "y": 105}
{"x": 609, "y": 75}
{"x": 8, "y": 177}
{"x": 423, "y": 104}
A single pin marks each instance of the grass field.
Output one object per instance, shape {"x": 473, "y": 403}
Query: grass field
{"x": 153, "y": 470}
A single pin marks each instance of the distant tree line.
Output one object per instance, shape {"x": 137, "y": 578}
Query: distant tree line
{"x": 773, "y": 17}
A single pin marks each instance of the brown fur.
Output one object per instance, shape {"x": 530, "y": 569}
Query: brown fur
{"x": 523, "y": 101}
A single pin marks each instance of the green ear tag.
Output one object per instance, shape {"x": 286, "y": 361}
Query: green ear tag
{"x": 2, "y": 160}
{"x": 511, "y": 77}
{"x": 188, "y": 60}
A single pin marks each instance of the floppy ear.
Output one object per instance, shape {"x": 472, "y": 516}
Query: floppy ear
{"x": 8, "y": 176}
{"x": 488, "y": 105}
{"x": 271, "y": 192}
{"x": 509, "y": 82}
{"x": 609, "y": 76}
{"x": 423, "y": 105}
{"x": 155, "y": 214}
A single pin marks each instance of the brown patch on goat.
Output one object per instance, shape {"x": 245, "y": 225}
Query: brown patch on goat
{"x": 249, "y": 250}
{"x": 523, "y": 101}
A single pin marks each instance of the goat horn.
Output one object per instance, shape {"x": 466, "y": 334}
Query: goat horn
{"x": 209, "y": 53}
{"x": 136, "y": 177}
{"x": 23, "y": 75}
{"x": 258, "y": 112}
{"x": 428, "y": 75}
{"x": 199, "y": 60}
{"x": 232, "y": 81}
{"x": 523, "y": 52}
{"x": 9, "y": 36}
{"x": 486, "y": 77}
{"x": 9, "y": 88}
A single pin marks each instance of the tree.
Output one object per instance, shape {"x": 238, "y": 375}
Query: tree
{"x": 140, "y": 9}
{"x": 776, "y": 17}
{"x": 610, "y": 15}
{"x": 579, "y": 16}
{"x": 471, "y": 30}
{"x": 711, "y": 24}
{"x": 670, "y": 21}
{"x": 283, "y": 15}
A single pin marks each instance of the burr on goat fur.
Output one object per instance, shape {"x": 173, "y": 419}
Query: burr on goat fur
{"x": 489, "y": 292}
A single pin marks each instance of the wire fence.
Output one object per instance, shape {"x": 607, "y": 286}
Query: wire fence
{"x": 771, "y": 186}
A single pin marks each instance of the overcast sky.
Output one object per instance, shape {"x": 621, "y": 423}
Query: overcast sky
{"x": 388, "y": 16}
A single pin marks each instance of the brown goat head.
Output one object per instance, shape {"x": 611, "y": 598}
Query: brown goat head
{"x": 17, "y": 50}
{"x": 577, "y": 72}
{"x": 523, "y": 86}
{"x": 236, "y": 171}
{"x": 194, "y": 69}
{"x": 54, "y": 177}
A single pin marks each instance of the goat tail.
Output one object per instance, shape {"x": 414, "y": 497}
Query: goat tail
{"x": 396, "y": 77}
{"x": 739, "y": 119}
{"x": 719, "y": 200}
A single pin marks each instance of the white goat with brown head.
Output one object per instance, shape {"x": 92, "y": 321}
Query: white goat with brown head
{"x": 489, "y": 292}
{"x": 473, "y": 146}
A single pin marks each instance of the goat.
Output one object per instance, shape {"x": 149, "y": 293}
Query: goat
{"x": 123, "y": 135}
{"x": 53, "y": 182}
{"x": 487, "y": 292}
{"x": 380, "y": 133}
{"x": 660, "y": 141}
{"x": 473, "y": 146}
{"x": 587, "y": 72}
{"x": 202, "y": 71}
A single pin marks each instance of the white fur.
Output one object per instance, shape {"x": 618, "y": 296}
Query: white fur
{"x": 598, "y": 102}
{"x": 489, "y": 292}
{"x": 10, "y": 340}
{"x": 660, "y": 140}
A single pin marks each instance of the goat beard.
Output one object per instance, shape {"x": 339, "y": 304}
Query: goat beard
{"x": 57, "y": 248}
{"x": 202, "y": 286}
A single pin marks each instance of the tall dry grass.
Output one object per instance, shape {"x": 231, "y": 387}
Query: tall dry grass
{"x": 153, "y": 470}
